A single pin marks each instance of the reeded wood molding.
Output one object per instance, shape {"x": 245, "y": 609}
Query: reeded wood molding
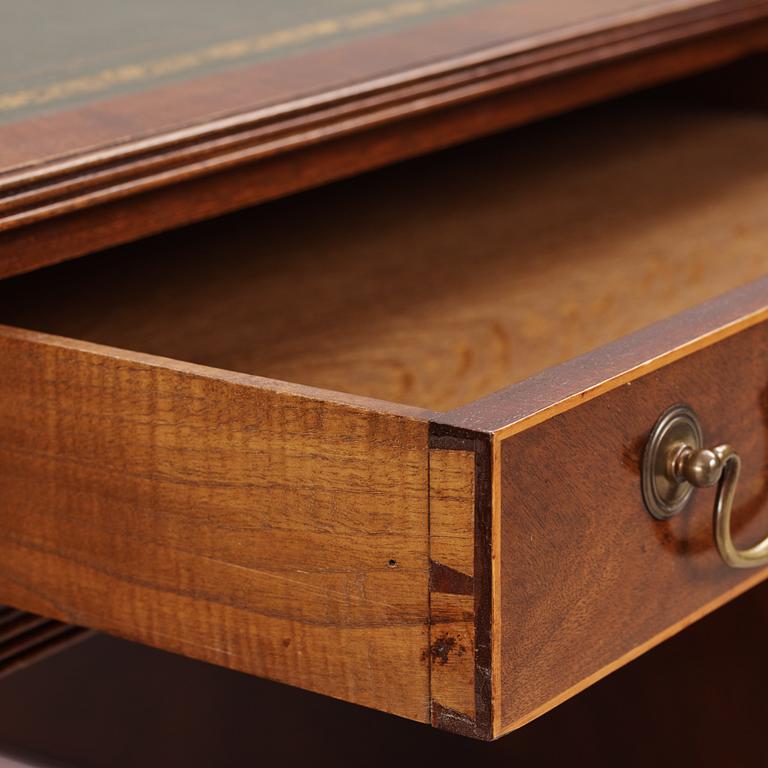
{"x": 60, "y": 186}
{"x": 26, "y": 638}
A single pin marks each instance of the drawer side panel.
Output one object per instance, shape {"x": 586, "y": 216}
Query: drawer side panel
{"x": 208, "y": 514}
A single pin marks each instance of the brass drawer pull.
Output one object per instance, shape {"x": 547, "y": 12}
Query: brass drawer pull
{"x": 675, "y": 462}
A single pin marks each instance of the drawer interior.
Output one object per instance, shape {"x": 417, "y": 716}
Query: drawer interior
{"x": 442, "y": 279}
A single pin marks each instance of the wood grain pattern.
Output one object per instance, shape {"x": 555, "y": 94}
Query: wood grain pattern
{"x": 452, "y": 509}
{"x": 460, "y": 600}
{"x": 452, "y": 661}
{"x": 246, "y": 523}
{"x": 583, "y": 579}
{"x": 587, "y": 575}
{"x": 558, "y": 389}
{"x": 452, "y": 593}
{"x": 293, "y": 125}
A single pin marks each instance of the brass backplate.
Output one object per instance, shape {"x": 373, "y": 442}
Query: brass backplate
{"x": 663, "y": 494}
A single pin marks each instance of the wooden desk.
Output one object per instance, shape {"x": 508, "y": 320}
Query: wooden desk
{"x": 153, "y": 130}
{"x": 384, "y": 439}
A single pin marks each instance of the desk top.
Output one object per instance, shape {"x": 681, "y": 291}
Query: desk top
{"x": 57, "y": 56}
{"x": 109, "y": 103}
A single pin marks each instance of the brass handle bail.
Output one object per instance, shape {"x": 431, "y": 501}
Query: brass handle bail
{"x": 675, "y": 462}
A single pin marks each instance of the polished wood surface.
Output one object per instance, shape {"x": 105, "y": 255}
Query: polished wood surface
{"x": 452, "y": 589}
{"x": 76, "y": 181}
{"x": 582, "y": 579}
{"x": 252, "y": 524}
{"x": 579, "y": 380}
{"x": 578, "y": 231}
{"x": 588, "y": 577}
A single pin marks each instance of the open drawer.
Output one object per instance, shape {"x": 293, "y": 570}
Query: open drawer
{"x": 335, "y": 440}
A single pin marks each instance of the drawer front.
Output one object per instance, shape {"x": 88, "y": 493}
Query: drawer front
{"x": 589, "y": 579}
{"x": 582, "y": 578}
